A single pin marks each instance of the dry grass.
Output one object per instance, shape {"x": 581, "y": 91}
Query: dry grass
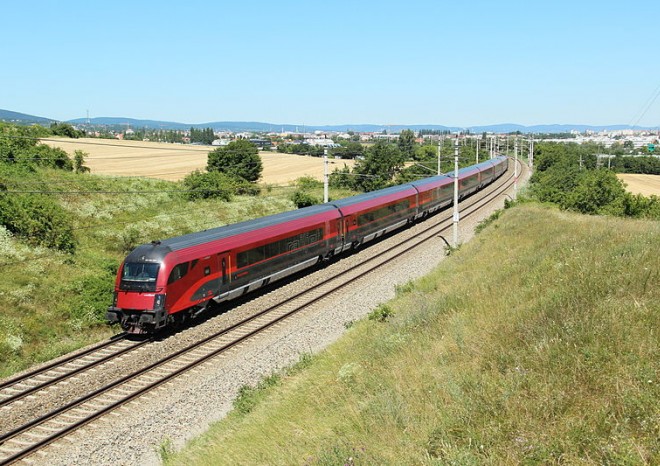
{"x": 535, "y": 344}
{"x": 174, "y": 161}
{"x": 645, "y": 185}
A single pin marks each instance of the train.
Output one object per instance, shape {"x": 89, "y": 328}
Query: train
{"x": 166, "y": 282}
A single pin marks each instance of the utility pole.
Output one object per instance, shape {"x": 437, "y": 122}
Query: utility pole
{"x": 439, "y": 155}
{"x": 456, "y": 215}
{"x": 478, "y": 141}
{"x": 515, "y": 170}
{"x": 325, "y": 175}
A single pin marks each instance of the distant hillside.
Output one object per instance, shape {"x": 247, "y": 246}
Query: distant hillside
{"x": 22, "y": 118}
{"x": 239, "y": 126}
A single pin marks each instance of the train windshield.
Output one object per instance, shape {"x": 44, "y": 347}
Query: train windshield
{"x": 139, "y": 276}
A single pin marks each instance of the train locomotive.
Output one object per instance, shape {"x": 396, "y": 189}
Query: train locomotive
{"x": 166, "y": 282}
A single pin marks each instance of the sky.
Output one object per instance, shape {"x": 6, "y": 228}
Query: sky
{"x": 334, "y": 62}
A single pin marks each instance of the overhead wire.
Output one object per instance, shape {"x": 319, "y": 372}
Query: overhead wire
{"x": 645, "y": 108}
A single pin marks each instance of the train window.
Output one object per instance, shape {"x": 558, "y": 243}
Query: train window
{"x": 267, "y": 251}
{"x": 178, "y": 272}
{"x": 383, "y": 212}
{"x": 193, "y": 264}
{"x": 207, "y": 271}
{"x": 139, "y": 276}
{"x": 140, "y": 272}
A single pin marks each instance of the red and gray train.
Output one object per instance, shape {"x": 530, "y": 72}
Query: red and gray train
{"x": 165, "y": 282}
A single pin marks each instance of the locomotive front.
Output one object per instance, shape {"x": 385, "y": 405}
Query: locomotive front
{"x": 139, "y": 295}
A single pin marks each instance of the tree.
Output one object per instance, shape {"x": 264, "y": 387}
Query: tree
{"x": 406, "y": 144}
{"x": 79, "y": 161}
{"x": 382, "y": 163}
{"x": 238, "y": 159}
{"x": 66, "y": 130}
{"x": 597, "y": 192}
{"x": 348, "y": 150}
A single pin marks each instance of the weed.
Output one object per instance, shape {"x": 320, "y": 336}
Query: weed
{"x": 382, "y": 313}
{"x": 248, "y": 397}
{"x": 405, "y": 288}
{"x": 166, "y": 450}
{"x": 487, "y": 221}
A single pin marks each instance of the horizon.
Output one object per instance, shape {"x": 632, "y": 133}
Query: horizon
{"x": 620, "y": 126}
{"x": 312, "y": 65}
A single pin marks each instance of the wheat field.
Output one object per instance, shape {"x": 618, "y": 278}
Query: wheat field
{"x": 174, "y": 161}
{"x": 646, "y": 185}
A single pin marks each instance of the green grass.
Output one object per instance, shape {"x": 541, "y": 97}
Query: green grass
{"x": 536, "y": 343}
{"x": 52, "y": 302}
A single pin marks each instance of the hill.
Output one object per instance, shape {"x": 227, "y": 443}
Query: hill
{"x": 239, "y": 126}
{"x": 23, "y": 119}
{"x": 536, "y": 343}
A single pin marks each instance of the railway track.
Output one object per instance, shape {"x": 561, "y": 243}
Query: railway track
{"x": 24, "y": 440}
{"x": 32, "y": 382}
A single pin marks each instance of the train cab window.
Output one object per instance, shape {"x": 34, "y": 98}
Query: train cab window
{"x": 178, "y": 272}
{"x": 193, "y": 264}
{"x": 139, "y": 276}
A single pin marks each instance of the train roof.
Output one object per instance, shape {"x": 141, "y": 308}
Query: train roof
{"x": 431, "y": 180}
{"x": 347, "y": 201}
{"x": 157, "y": 250}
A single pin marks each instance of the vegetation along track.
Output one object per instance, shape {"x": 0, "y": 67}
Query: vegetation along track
{"x": 44, "y": 430}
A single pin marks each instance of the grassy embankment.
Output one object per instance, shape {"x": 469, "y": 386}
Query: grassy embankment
{"x": 536, "y": 343}
{"x": 52, "y": 302}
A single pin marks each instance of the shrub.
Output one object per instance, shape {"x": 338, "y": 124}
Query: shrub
{"x": 38, "y": 219}
{"x": 382, "y": 313}
{"x": 91, "y": 297}
{"x": 304, "y": 199}
{"x": 208, "y": 185}
{"x": 307, "y": 183}
{"x": 248, "y": 397}
{"x": 79, "y": 162}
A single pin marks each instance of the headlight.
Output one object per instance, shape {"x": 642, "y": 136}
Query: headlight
{"x": 159, "y": 302}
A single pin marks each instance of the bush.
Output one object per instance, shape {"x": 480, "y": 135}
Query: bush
{"x": 307, "y": 183}
{"x": 38, "y": 219}
{"x": 208, "y": 185}
{"x": 597, "y": 192}
{"x": 382, "y": 313}
{"x": 304, "y": 199}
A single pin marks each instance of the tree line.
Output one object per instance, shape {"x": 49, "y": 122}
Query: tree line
{"x": 569, "y": 176}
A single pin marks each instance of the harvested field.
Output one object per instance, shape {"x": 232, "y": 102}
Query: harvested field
{"x": 174, "y": 161}
{"x": 646, "y": 185}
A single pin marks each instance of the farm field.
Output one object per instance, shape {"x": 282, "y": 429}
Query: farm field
{"x": 646, "y": 185}
{"x": 173, "y": 162}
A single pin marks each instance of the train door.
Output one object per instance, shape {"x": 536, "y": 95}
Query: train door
{"x": 224, "y": 267}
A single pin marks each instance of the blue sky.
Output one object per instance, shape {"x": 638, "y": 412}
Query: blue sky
{"x": 334, "y": 62}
